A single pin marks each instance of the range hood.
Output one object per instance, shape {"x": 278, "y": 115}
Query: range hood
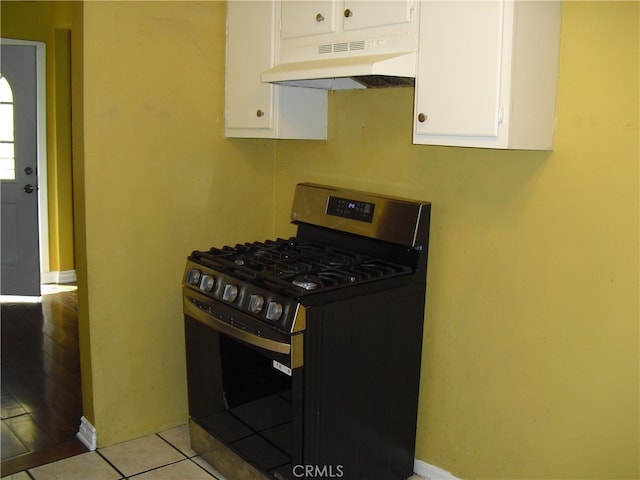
{"x": 345, "y": 73}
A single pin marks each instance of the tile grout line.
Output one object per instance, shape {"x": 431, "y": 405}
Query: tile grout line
{"x": 188, "y": 457}
{"x": 155, "y": 468}
{"x": 122, "y": 475}
{"x": 172, "y": 445}
{"x": 125, "y": 477}
{"x": 202, "y": 468}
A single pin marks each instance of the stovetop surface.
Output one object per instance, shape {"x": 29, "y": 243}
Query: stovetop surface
{"x": 297, "y": 267}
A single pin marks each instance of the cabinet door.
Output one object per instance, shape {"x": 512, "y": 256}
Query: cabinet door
{"x": 304, "y": 18}
{"x": 249, "y": 52}
{"x": 458, "y": 84}
{"x": 374, "y": 13}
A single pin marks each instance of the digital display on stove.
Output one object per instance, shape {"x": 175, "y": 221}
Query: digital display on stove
{"x": 353, "y": 209}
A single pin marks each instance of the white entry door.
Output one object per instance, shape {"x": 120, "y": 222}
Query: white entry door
{"x": 20, "y": 256}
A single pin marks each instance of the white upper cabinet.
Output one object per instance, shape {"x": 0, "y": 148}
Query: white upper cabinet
{"x": 263, "y": 110}
{"x": 302, "y": 19}
{"x": 487, "y": 73}
{"x": 358, "y": 14}
{"x": 320, "y": 29}
{"x": 306, "y": 18}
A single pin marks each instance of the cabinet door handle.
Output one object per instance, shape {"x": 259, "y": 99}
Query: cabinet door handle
{"x": 348, "y": 13}
{"x": 319, "y": 18}
{"x": 422, "y": 117}
{"x": 259, "y": 113}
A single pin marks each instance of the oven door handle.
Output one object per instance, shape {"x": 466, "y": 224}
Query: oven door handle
{"x": 194, "y": 311}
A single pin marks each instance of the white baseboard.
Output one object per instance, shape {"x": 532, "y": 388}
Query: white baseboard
{"x": 431, "y": 472}
{"x": 87, "y": 434}
{"x": 65, "y": 276}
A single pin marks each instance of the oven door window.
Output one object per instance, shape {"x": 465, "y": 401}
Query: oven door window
{"x": 240, "y": 397}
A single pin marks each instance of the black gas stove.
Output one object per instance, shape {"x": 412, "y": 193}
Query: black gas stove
{"x": 304, "y": 353}
{"x": 268, "y": 279}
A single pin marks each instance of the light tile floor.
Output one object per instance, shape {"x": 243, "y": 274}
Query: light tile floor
{"x": 163, "y": 456}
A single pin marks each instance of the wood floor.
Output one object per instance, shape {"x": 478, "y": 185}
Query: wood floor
{"x": 40, "y": 374}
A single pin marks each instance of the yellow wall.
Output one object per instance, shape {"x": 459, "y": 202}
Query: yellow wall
{"x": 158, "y": 180}
{"x": 50, "y": 22}
{"x": 530, "y": 365}
{"x": 531, "y": 358}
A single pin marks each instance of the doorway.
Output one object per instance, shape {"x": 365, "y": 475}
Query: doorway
{"x": 41, "y": 390}
{"x": 25, "y": 238}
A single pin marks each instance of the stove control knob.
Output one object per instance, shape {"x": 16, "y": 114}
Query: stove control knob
{"x": 274, "y": 311}
{"x": 256, "y": 302}
{"x": 230, "y": 293}
{"x": 193, "y": 276}
{"x": 207, "y": 282}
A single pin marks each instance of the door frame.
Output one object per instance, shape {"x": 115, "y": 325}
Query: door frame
{"x": 41, "y": 127}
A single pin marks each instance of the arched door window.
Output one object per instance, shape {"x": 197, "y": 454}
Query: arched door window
{"x": 7, "y": 147}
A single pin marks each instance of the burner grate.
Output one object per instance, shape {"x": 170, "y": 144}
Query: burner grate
{"x": 299, "y": 264}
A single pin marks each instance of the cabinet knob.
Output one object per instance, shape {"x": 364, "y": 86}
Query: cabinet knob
{"x": 422, "y": 117}
{"x": 348, "y": 13}
{"x": 259, "y": 113}
{"x": 319, "y": 18}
